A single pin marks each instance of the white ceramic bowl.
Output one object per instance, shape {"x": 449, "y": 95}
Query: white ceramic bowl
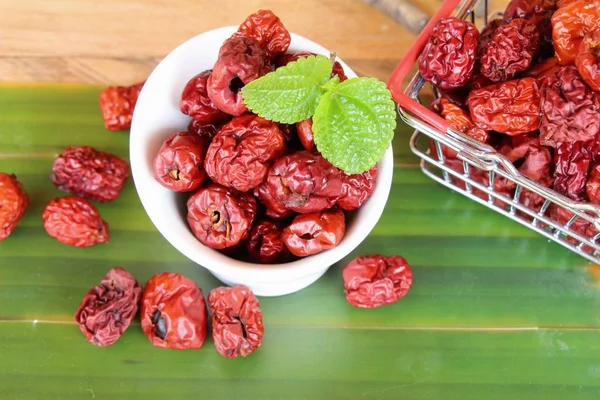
{"x": 157, "y": 117}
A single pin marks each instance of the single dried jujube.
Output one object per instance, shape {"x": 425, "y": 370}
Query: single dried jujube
{"x": 107, "y": 309}
{"x": 573, "y": 161}
{"x": 357, "y": 189}
{"x": 570, "y": 109}
{"x": 179, "y": 164}
{"x": 448, "y": 58}
{"x": 117, "y": 104}
{"x": 588, "y": 59}
{"x": 512, "y": 107}
{"x": 265, "y": 243}
{"x": 219, "y": 217}
{"x": 267, "y": 30}
{"x": 510, "y": 51}
{"x": 74, "y": 221}
{"x": 306, "y": 136}
{"x": 173, "y": 312}
{"x": 242, "y": 151}
{"x": 570, "y": 24}
{"x": 13, "y": 204}
{"x": 241, "y": 60}
{"x": 303, "y": 182}
{"x": 284, "y": 59}
{"x": 196, "y": 103}
{"x": 375, "y": 280}
{"x": 237, "y": 325}
{"x": 89, "y": 173}
{"x": 538, "y": 12}
{"x": 313, "y": 233}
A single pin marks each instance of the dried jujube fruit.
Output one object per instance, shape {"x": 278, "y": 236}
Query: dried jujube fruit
{"x": 570, "y": 23}
{"x": 573, "y": 161}
{"x": 375, "y": 280}
{"x": 273, "y": 209}
{"x": 242, "y": 151}
{"x": 205, "y": 131}
{"x": 538, "y": 12}
{"x": 117, "y": 104}
{"x": 196, "y": 103}
{"x": 74, "y": 221}
{"x": 588, "y": 59}
{"x": 592, "y": 186}
{"x": 306, "y": 136}
{"x": 173, "y": 312}
{"x": 179, "y": 163}
{"x": 107, "y": 309}
{"x": 13, "y": 204}
{"x": 357, "y": 189}
{"x": 220, "y": 217}
{"x": 267, "y": 30}
{"x": 313, "y": 233}
{"x": 265, "y": 243}
{"x": 237, "y": 325}
{"x": 89, "y": 173}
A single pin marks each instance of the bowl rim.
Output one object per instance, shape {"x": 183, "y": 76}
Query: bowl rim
{"x": 220, "y": 263}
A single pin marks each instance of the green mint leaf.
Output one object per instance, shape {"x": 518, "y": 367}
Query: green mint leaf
{"x": 291, "y": 93}
{"x": 354, "y": 124}
{"x": 330, "y": 84}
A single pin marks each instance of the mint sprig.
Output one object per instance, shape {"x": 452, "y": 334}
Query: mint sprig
{"x": 353, "y": 121}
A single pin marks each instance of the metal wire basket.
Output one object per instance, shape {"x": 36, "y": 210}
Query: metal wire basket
{"x": 574, "y": 225}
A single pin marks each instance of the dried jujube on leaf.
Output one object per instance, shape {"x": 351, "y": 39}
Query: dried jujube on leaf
{"x": 570, "y": 109}
{"x": 220, "y": 217}
{"x": 173, "y": 312}
{"x": 588, "y": 59}
{"x": 117, "y": 104}
{"x": 13, "y": 204}
{"x": 237, "y": 325}
{"x": 448, "y": 58}
{"x": 74, "y": 221}
{"x": 242, "y": 151}
{"x": 375, "y": 280}
{"x": 265, "y": 243}
{"x": 196, "y": 103}
{"x": 313, "y": 233}
{"x": 107, "y": 309}
{"x": 91, "y": 174}
{"x": 179, "y": 163}
{"x": 267, "y": 30}
{"x": 357, "y": 189}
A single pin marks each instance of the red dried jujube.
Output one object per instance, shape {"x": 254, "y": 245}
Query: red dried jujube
{"x": 205, "y": 131}
{"x": 570, "y": 109}
{"x": 240, "y": 154}
{"x": 179, "y": 164}
{"x": 237, "y": 325}
{"x": 305, "y": 134}
{"x": 13, "y": 204}
{"x": 173, "y": 312}
{"x": 220, "y": 217}
{"x": 273, "y": 209}
{"x": 315, "y": 232}
{"x": 448, "y": 58}
{"x": 89, "y": 173}
{"x": 107, "y": 309}
{"x": 544, "y": 68}
{"x": 511, "y": 107}
{"x": 374, "y": 280}
{"x": 265, "y": 243}
{"x": 241, "y": 60}
{"x": 538, "y": 12}
{"x": 588, "y": 59}
{"x": 117, "y": 104}
{"x": 570, "y": 24}
{"x": 75, "y": 221}
{"x": 357, "y": 189}
{"x": 267, "y": 30}
{"x": 196, "y": 103}
{"x": 573, "y": 161}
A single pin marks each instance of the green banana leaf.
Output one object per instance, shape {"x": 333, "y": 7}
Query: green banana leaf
{"x": 496, "y": 311}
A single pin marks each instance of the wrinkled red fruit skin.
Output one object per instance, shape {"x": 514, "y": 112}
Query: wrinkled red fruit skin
{"x": 570, "y": 24}
{"x": 220, "y": 217}
{"x": 196, "y": 103}
{"x": 313, "y": 233}
{"x": 588, "y": 59}
{"x": 267, "y": 30}
{"x": 242, "y": 152}
{"x": 265, "y": 244}
{"x": 357, "y": 189}
{"x": 538, "y": 12}
{"x": 374, "y": 280}
{"x": 284, "y": 59}
{"x": 181, "y": 305}
{"x": 237, "y": 325}
{"x": 117, "y": 104}
{"x": 592, "y": 187}
{"x": 240, "y": 58}
{"x": 573, "y": 161}
{"x": 305, "y": 134}
{"x": 91, "y": 174}
{"x": 448, "y": 59}
{"x": 303, "y": 182}
{"x": 107, "y": 309}
{"x": 510, "y": 51}
{"x": 179, "y": 163}
{"x": 569, "y": 108}
{"x": 75, "y": 221}
{"x": 13, "y": 204}
{"x": 206, "y": 131}
{"x": 487, "y": 32}
{"x": 543, "y": 69}
{"x": 512, "y": 107}
{"x": 273, "y": 209}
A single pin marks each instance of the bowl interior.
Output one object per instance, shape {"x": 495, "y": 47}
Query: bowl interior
{"x": 157, "y": 116}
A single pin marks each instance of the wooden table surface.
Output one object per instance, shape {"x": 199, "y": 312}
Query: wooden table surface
{"x": 495, "y": 312}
